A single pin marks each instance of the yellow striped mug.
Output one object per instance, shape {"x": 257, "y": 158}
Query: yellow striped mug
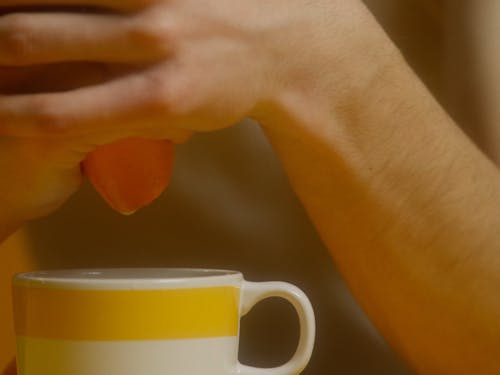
{"x": 144, "y": 322}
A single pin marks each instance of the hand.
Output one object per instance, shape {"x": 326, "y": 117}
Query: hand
{"x": 198, "y": 66}
{"x": 192, "y": 66}
{"x": 38, "y": 174}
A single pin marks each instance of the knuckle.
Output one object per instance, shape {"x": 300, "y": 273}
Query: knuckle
{"x": 178, "y": 99}
{"x": 48, "y": 119}
{"x": 171, "y": 97}
{"x": 15, "y": 39}
{"x": 151, "y": 34}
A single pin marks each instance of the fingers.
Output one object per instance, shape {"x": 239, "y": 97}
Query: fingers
{"x": 130, "y": 106}
{"x": 76, "y": 112}
{"x": 39, "y": 38}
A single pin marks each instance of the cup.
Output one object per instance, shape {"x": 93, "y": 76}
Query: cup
{"x": 144, "y": 322}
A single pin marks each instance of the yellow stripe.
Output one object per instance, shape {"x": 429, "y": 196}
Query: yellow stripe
{"x": 110, "y": 315}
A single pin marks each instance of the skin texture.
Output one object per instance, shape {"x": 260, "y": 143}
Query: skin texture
{"x": 405, "y": 202}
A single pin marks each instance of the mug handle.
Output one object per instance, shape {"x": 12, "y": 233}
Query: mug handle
{"x": 252, "y": 293}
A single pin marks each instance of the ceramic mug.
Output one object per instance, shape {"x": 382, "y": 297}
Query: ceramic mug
{"x": 144, "y": 322}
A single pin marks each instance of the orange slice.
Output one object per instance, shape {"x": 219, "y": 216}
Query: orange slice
{"x": 131, "y": 173}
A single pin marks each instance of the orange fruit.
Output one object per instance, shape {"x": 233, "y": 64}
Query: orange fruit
{"x": 131, "y": 173}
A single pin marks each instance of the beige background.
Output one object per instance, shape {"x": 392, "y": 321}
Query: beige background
{"x": 229, "y": 206}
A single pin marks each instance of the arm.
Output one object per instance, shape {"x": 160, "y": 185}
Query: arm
{"x": 407, "y": 205}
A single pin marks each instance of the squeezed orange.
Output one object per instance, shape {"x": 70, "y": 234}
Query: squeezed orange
{"x": 131, "y": 173}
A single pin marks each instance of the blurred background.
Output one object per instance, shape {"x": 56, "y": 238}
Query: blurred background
{"x": 229, "y": 205}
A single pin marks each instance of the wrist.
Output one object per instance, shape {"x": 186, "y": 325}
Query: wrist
{"x": 336, "y": 77}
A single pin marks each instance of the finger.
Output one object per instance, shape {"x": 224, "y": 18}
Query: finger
{"x": 40, "y": 38}
{"x": 130, "y": 106}
{"x": 122, "y": 5}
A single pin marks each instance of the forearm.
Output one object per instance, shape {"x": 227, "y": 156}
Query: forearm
{"x": 406, "y": 204}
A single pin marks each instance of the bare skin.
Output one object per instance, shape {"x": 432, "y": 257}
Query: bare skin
{"x": 406, "y": 204}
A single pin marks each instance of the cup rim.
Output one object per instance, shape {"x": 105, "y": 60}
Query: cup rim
{"x": 127, "y": 278}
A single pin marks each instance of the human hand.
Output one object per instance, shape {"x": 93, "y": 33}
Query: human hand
{"x": 197, "y": 67}
{"x": 37, "y": 175}
{"x": 124, "y": 192}
{"x": 191, "y": 67}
